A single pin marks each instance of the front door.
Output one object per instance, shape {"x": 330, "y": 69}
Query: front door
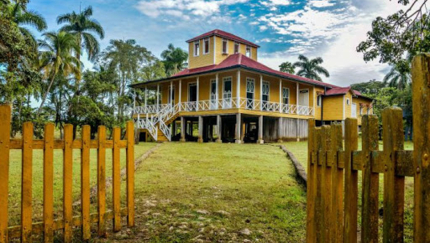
{"x": 303, "y": 101}
{"x": 226, "y": 95}
{"x": 250, "y": 88}
{"x": 192, "y": 97}
{"x": 213, "y": 102}
{"x": 265, "y": 96}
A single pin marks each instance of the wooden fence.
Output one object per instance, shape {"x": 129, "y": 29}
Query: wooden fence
{"x": 334, "y": 165}
{"x": 67, "y": 223}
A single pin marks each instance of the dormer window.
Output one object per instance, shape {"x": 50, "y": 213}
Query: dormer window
{"x": 236, "y": 47}
{"x": 248, "y": 51}
{"x": 206, "y": 46}
{"x": 196, "y": 48}
{"x": 224, "y": 46}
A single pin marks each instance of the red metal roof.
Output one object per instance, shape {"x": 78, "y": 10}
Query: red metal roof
{"x": 241, "y": 60}
{"x": 338, "y": 91}
{"x": 223, "y": 34}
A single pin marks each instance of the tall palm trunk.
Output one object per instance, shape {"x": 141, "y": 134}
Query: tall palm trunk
{"x": 45, "y": 95}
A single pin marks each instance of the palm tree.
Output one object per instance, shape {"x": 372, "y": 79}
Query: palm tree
{"x": 58, "y": 55}
{"x": 21, "y": 16}
{"x": 287, "y": 67}
{"x": 399, "y": 76}
{"x": 174, "y": 59}
{"x": 311, "y": 68}
{"x": 84, "y": 27}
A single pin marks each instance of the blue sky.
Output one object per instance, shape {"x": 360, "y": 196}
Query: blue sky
{"x": 283, "y": 28}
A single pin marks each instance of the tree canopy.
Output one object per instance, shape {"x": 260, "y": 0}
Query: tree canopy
{"x": 311, "y": 68}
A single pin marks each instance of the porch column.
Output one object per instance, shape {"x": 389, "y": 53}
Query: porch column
{"x": 298, "y": 130}
{"x": 219, "y": 132}
{"x": 180, "y": 95}
{"x": 200, "y": 138}
{"x": 238, "y": 126}
{"x": 280, "y": 95}
{"x": 158, "y": 97}
{"x": 261, "y": 92}
{"x": 297, "y": 98}
{"x": 183, "y": 125}
{"x": 198, "y": 91}
{"x": 146, "y": 94}
{"x": 217, "y": 90}
{"x": 171, "y": 93}
{"x": 280, "y": 128}
{"x": 260, "y": 130}
{"x": 134, "y": 101}
{"x": 238, "y": 89}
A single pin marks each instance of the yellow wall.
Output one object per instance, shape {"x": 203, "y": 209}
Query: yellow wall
{"x": 317, "y": 108}
{"x": 359, "y": 100}
{"x": 332, "y": 108}
{"x": 202, "y": 59}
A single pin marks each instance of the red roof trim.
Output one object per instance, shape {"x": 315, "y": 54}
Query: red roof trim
{"x": 223, "y": 34}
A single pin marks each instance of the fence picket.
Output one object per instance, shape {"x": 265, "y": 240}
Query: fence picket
{"x": 421, "y": 123}
{"x": 351, "y": 182}
{"x": 370, "y": 185}
{"x": 319, "y": 207}
{"x": 48, "y": 183}
{"x": 27, "y": 181}
{"x": 5, "y": 117}
{"x": 130, "y": 173}
{"x": 310, "y": 222}
{"x": 85, "y": 182}
{"x": 337, "y": 184}
{"x": 68, "y": 183}
{"x": 326, "y": 184}
{"x": 101, "y": 180}
{"x": 116, "y": 179}
{"x": 394, "y": 185}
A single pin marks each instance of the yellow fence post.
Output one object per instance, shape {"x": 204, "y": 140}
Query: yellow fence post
{"x": 27, "y": 182}
{"x": 310, "y": 221}
{"x": 319, "y": 207}
{"x": 5, "y": 117}
{"x": 326, "y": 183}
{"x": 48, "y": 183}
{"x": 116, "y": 179}
{"x": 85, "y": 182}
{"x": 101, "y": 179}
{"x": 130, "y": 173}
{"x": 337, "y": 184}
{"x": 68, "y": 183}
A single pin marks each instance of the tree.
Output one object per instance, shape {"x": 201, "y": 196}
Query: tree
{"x": 406, "y": 31}
{"x": 311, "y": 68}
{"x": 174, "y": 59}
{"x": 84, "y": 27}
{"x": 125, "y": 58}
{"x": 399, "y": 75}
{"x": 21, "y": 16}
{"x": 60, "y": 47}
{"x": 287, "y": 67}
{"x": 370, "y": 88}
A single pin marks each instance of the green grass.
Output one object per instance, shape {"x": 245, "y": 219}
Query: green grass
{"x": 15, "y": 179}
{"x": 190, "y": 192}
{"x": 299, "y": 149}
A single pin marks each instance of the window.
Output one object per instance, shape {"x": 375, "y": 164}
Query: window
{"x": 196, "y": 48}
{"x": 224, "y": 46}
{"x": 347, "y": 101}
{"x": 248, "y": 51}
{"x": 319, "y": 100}
{"x": 285, "y": 96}
{"x": 236, "y": 47}
{"x": 361, "y": 110}
{"x": 206, "y": 46}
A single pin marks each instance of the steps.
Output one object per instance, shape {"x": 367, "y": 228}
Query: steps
{"x": 158, "y": 126}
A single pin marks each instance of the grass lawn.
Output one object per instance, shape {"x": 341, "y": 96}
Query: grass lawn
{"x": 300, "y": 149}
{"x": 190, "y": 192}
{"x": 15, "y": 179}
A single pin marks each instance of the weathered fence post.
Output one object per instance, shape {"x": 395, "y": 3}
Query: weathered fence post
{"x": 310, "y": 208}
{"x": 5, "y": 113}
{"x": 421, "y": 138}
{"x": 130, "y": 173}
{"x": 319, "y": 206}
{"x": 370, "y": 185}
{"x": 336, "y": 183}
{"x": 394, "y": 186}
{"x": 326, "y": 184}
{"x": 351, "y": 180}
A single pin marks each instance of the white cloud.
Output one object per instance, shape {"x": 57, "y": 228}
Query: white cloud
{"x": 331, "y": 34}
{"x": 276, "y": 3}
{"x": 183, "y": 8}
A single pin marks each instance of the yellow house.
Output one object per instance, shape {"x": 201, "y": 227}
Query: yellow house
{"x": 228, "y": 96}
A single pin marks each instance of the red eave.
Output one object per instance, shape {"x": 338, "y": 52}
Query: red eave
{"x": 223, "y": 34}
